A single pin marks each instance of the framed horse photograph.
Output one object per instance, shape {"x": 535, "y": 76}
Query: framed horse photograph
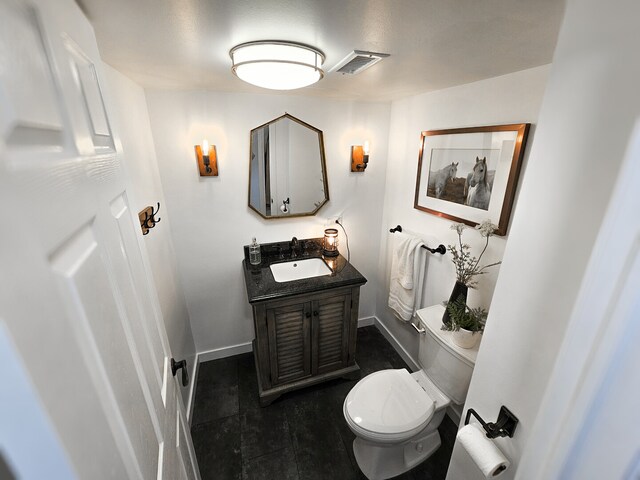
{"x": 470, "y": 174}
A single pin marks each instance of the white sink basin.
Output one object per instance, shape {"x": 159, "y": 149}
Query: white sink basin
{"x": 299, "y": 269}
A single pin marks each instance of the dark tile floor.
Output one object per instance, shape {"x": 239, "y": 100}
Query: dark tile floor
{"x": 301, "y": 436}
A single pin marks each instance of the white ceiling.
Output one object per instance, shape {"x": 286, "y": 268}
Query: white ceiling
{"x": 433, "y": 44}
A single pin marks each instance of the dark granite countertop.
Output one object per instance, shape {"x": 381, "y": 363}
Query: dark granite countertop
{"x": 262, "y": 286}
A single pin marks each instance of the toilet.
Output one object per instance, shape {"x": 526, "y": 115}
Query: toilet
{"x": 395, "y": 414}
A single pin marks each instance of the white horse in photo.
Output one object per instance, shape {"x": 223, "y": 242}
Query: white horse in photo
{"x": 479, "y": 185}
{"x": 439, "y": 178}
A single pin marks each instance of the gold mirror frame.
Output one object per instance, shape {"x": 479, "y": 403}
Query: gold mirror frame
{"x": 276, "y": 204}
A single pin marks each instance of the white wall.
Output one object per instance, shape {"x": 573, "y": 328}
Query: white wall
{"x": 132, "y": 127}
{"x": 589, "y": 108}
{"x": 513, "y": 98}
{"x": 210, "y": 218}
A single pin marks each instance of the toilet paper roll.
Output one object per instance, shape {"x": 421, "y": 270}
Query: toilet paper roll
{"x": 482, "y": 450}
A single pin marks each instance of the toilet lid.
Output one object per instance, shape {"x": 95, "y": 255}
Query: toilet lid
{"x": 389, "y": 401}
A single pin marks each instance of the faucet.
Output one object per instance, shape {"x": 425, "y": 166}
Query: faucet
{"x": 293, "y": 245}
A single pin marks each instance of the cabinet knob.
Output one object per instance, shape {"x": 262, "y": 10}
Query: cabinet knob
{"x": 315, "y": 313}
{"x": 307, "y": 314}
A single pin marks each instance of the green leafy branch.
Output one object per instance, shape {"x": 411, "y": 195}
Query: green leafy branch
{"x": 472, "y": 319}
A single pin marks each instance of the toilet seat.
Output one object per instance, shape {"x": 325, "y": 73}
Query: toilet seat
{"x": 389, "y": 406}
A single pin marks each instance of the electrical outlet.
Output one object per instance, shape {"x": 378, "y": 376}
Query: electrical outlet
{"x": 332, "y": 220}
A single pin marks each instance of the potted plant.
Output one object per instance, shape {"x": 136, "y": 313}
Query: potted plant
{"x": 467, "y": 266}
{"x": 466, "y": 323}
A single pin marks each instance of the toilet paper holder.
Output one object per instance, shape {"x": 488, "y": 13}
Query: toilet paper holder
{"x": 505, "y": 426}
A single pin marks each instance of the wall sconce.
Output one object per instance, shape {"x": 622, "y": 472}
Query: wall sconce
{"x": 359, "y": 157}
{"x": 330, "y": 244}
{"x": 207, "y": 159}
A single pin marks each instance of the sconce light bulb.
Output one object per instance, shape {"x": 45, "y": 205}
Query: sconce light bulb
{"x": 366, "y": 147}
{"x": 205, "y": 147}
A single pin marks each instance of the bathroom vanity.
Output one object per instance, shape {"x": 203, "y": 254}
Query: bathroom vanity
{"x": 305, "y": 329}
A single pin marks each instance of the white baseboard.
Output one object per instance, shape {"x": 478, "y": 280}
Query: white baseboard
{"x": 395, "y": 344}
{"x": 192, "y": 389}
{"x": 455, "y": 412}
{"x": 214, "y": 354}
{"x": 224, "y": 352}
{"x": 366, "y": 321}
{"x": 232, "y": 350}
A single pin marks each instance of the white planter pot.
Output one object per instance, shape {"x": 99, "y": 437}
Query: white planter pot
{"x": 465, "y": 338}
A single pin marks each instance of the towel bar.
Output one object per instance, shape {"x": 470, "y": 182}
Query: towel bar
{"x": 441, "y": 248}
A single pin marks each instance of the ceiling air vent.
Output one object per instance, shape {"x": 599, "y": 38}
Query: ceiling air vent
{"x": 357, "y": 61}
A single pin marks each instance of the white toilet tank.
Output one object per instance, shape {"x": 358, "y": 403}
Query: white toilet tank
{"x": 447, "y": 365}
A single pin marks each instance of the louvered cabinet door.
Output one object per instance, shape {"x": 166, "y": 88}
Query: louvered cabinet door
{"x": 289, "y": 332}
{"x": 330, "y": 331}
{"x": 305, "y": 339}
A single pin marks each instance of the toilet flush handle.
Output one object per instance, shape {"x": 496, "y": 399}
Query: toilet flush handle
{"x": 420, "y": 330}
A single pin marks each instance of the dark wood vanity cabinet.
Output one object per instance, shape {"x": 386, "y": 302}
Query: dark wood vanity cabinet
{"x": 306, "y": 329}
{"x": 305, "y": 339}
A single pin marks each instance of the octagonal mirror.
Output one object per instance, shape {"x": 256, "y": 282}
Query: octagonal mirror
{"x": 287, "y": 171}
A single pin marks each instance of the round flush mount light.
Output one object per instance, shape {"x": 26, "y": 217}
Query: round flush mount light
{"x": 277, "y": 65}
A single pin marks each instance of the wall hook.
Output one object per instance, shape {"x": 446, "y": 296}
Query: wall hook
{"x": 148, "y": 218}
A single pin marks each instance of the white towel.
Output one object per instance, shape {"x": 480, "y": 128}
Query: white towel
{"x": 407, "y": 275}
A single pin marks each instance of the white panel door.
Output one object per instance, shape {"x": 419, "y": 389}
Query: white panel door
{"x": 587, "y": 426}
{"x": 77, "y": 306}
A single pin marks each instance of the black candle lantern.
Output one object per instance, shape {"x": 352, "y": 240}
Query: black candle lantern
{"x": 330, "y": 245}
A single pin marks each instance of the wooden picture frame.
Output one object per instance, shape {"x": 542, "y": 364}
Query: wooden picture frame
{"x": 470, "y": 174}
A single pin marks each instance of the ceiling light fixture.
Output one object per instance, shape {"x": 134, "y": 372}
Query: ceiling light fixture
{"x": 277, "y": 65}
